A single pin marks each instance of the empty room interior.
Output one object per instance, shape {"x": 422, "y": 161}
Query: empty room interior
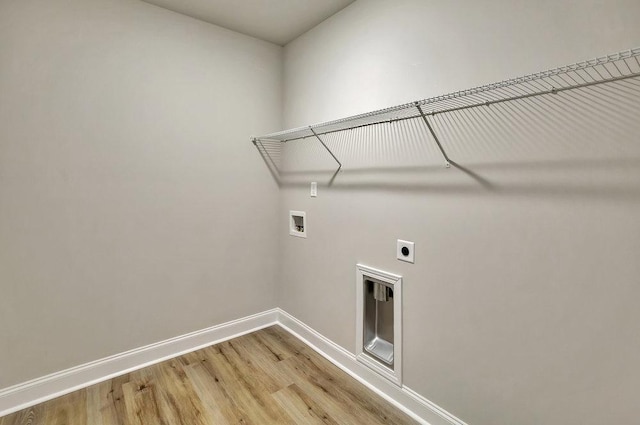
{"x": 319, "y": 212}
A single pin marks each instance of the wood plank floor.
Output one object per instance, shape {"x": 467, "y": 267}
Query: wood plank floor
{"x": 266, "y": 377}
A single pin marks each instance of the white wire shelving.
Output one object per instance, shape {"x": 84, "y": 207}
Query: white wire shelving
{"x": 606, "y": 69}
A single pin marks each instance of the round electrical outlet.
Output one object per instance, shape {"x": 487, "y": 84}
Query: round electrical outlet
{"x": 405, "y": 251}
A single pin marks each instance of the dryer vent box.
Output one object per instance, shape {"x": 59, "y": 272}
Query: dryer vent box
{"x": 379, "y": 321}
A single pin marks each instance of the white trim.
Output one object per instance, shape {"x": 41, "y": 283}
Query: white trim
{"x": 30, "y": 393}
{"x": 428, "y": 404}
{"x": 394, "y": 374}
{"x": 407, "y": 400}
{"x": 27, "y": 394}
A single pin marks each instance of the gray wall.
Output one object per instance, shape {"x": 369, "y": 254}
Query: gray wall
{"x": 521, "y": 307}
{"x": 128, "y": 189}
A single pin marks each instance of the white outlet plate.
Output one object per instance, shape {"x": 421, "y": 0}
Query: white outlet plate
{"x": 410, "y": 246}
{"x": 314, "y": 189}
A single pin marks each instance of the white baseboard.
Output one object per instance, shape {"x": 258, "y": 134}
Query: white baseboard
{"x": 407, "y": 400}
{"x": 30, "y": 393}
{"x": 39, "y": 390}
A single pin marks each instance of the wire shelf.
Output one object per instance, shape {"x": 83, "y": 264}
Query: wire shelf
{"x": 606, "y": 69}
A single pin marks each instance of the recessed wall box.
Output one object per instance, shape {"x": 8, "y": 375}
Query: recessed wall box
{"x": 298, "y": 224}
{"x": 379, "y": 322}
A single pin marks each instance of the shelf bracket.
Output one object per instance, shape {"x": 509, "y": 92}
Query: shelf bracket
{"x": 447, "y": 161}
{"x": 328, "y": 150}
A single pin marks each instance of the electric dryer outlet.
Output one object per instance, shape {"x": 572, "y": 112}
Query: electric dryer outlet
{"x": 405, "y": 251}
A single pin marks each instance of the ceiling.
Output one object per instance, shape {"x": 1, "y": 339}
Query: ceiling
{"x": 277, "y": 21}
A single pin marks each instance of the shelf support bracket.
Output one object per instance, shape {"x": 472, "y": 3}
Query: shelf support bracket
{"x": 328, "y": 150}
{"x": 447, "y": 161}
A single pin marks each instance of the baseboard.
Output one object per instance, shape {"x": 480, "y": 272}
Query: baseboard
{"x": 30, "y": 393}
{"x": 407, "y": 400}
{"x": 39, "y": 390}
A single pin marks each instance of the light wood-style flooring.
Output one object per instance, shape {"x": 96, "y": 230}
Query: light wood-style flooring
{"x": 266, "y": 377}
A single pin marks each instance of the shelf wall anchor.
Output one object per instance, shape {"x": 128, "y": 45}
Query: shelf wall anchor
{"x": 447, "y": 161}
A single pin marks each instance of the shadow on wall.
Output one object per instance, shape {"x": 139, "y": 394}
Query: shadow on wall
{"x": 582, "y": 142}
